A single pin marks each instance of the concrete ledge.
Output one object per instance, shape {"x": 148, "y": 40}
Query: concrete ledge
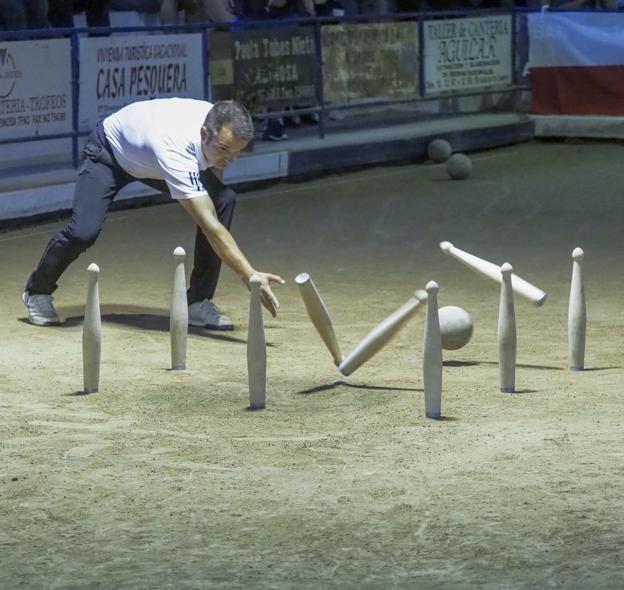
{"x": 29, "y": 196}
{"x": 578, "y": 126}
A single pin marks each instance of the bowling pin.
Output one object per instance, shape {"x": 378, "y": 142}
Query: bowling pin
{"x": 577, "y": 315}
{"x": 432, "y": 355}
{"x": 178, "y": 314}
{"x": 92, "y": 333}
{"x": 256, "y": 348}
{"x": 381, "y": 334}
{"x": 507, "y": 332}
{"x": 318, "y": 315}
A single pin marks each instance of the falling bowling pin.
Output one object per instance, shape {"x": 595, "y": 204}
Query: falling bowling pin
{"x": 577, "y": 315}
{"x": 318, "y": 314}
{"x": 507, "y": 332}
{"x": 432, "y": 355}
{"x": 178, "y": 315}
{"x": 491, "y": 271}
{"x": 381, "y": 334}
{"x": 92, "y": 333}
{"x": 256, "y": 348}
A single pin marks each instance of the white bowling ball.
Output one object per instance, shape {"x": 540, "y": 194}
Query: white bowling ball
{"x": 439, "y": 150}
{"x": 455, "y": 327}
{"x": 459, "y": 166}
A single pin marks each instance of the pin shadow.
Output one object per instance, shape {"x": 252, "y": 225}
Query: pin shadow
{"x": 495, "y": 363}
{"x": 339, "y": 383}
{"x": 24, "y": 320}
{"x": 144, "y": 318}
{"x": 517, "y": 391}
{"x": 540, "y": 367}
{"x": 250, "y": 409}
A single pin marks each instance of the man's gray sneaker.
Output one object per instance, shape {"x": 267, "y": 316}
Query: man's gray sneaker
{"x": 206, "y": 314}
{"x": 41, "y": 311}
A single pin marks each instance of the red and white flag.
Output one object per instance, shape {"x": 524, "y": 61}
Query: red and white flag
{"x": 576, "y": 63}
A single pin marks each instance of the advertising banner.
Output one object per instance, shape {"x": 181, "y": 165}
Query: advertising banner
{"x": 370, "y": 60}
{"x": 274, "y": 67}
{"x": 35, "y": 88}
{"x": 467, "y": 53}
{"x": 116, "y": 71}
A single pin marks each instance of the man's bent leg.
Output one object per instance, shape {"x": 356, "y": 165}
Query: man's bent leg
{"x": 206, "y": 263}
{"x": 96, "y": 186}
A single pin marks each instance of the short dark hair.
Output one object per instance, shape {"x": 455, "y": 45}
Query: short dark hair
{"x": 232, "y": 114}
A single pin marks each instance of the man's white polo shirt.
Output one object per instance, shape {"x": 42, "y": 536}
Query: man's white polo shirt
{"x": 161, "y": 139}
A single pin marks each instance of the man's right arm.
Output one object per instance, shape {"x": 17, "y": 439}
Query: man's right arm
{"x": 202, "y": 210}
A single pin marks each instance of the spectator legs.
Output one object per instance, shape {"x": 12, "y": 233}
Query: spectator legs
{"x": 98, "y": 13}
{"x": 61, "y": 13}
{"x": 12, "y": 15}
{"x": 218, "y": 11}
{"x": 169, "y": 12}
{"x": 36, "y": 14}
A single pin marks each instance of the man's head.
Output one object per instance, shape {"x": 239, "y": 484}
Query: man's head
{"x": 227, "y": 130}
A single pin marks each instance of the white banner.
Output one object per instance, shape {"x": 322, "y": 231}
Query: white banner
{"x": 35, "y": 88}
{"x": 467, "y": 53}
{"x": 116, "y": 71}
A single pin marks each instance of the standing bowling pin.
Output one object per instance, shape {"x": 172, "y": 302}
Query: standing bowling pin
{"x": 318, "y": 314}
{"x": 256, "y": 348}
{"x": 432, "y": 355}
{"x": 577, "y": 315}
{"x": 178, "y": 314}
{"x": 507, "y": 332}
{"x": 381, "y": 334}
{"x": 92, "y": 334}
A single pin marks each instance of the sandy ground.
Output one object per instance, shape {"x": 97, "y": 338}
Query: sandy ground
{"x": 165, "y": 479}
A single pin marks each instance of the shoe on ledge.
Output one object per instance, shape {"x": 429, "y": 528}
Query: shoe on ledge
{"x": 41, "y": 310}
{"x": 205, "y": 314}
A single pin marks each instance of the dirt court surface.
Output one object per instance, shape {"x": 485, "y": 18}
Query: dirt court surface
{"x": 165, "y": 479}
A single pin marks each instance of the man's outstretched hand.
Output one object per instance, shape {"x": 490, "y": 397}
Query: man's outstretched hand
{"x": 266, "y": 294}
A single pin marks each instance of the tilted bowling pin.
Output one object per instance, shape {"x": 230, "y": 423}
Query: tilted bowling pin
{"x": 492, "y": 271}
{"x": 256, "y": 348}
{"x": 507, "y": 332}
{"x": 318, "y": 314}
{"x": 92, "y": 333}
{"x": 381, "y": 334}
{"x": 577, "y": 315}
{"x": 178, "y": 314}
{"x": 432, "y": 355}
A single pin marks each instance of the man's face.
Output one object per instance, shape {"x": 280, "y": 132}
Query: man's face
{"x": 223, "y": 148}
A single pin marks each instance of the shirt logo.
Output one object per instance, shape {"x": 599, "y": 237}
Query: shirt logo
{"x": 194, "y": 178}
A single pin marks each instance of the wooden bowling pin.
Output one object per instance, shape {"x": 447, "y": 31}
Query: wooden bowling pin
{"x": 256, "y": 348}
{"x": 92, "y": 333}
{"x": 432, "y": 355}
{"x": 507, "y": 332}
{"x": 577, "y": 315}
{"x": 178, "y": 314}
{"x": 381, "y": 334}
{"x": 318, "y": 314}
{"x": 492, "y": 271}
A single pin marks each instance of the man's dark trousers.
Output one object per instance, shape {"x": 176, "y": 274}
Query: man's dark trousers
{"x": 100, "y": 178}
